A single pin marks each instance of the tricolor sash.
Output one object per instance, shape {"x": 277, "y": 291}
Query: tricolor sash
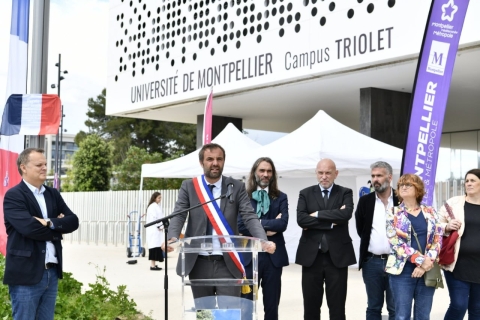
{"x": 216, "y": 217}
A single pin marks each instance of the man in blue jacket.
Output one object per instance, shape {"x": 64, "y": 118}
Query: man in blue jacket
{"x": 271, "y": 206}
{"x": 35, "y": 219}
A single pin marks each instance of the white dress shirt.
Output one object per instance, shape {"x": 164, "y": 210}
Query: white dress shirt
{"x": 378, "y": 236}
{"x": 216, "y": 192}
{"x": 51, "y": 255}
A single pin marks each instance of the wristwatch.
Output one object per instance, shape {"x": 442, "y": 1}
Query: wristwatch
{"x": 49, "y": 223}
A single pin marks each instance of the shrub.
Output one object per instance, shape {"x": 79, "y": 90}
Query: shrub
{"x": 98, "y": 302}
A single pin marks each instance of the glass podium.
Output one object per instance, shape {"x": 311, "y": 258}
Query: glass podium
{"x": 220, "y": 307}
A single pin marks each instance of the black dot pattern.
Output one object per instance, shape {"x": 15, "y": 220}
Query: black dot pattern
{"x": 173, "y": 32}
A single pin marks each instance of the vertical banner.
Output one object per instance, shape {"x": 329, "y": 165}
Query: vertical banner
{"x": 430, "y": 91}
{"x": 11, "y": 146}
{"x": 207, "y": 119}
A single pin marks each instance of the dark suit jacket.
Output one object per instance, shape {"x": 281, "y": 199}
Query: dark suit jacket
{"x": 339, "y": 241}
{"x": 364, "y": 220}
{"x": 269, "y": 223}
{"x": 26, "y": 244}
{"x": 197, "y": 219}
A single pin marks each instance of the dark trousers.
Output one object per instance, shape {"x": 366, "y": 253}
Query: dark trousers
{"x": 270, "y": 279}
{"x": 378, "y": 288}
{"x": 335, "y": 279}
{"x": 208, "y": 297}
{"x": 463, "y": 296}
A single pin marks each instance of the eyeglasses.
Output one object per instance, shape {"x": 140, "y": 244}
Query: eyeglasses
{"x": 406, "y": 185}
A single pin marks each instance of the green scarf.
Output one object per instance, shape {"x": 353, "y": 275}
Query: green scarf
{"x": 263, "y": 202}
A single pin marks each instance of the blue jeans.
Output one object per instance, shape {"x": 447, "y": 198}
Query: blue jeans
{"x": 36, "y": 301}
{"x": 378, "y": 288}
{"x": 406, "y": 289}
{"x": 463, "y": 295}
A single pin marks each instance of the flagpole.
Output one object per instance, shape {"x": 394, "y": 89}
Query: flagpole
{"x": 59, "y": 142}
{"x": 56, "y": 181}
{"x": 39, "y": 65}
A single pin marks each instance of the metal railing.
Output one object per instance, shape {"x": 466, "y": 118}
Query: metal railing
{"x": 104, "y": 215}
{"x": 444, "y": 190}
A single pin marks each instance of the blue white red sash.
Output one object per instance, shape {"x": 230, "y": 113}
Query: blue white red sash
{"x": 216, "y": 217}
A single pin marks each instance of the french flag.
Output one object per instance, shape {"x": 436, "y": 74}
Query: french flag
{"x": 11, "y": 146}
{"x": 31, "y": 114}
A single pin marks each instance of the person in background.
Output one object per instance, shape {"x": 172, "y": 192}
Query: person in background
{"x": 406, "y": 264}
{"x": 370, "y": 218}
{"x": 325, "y": 249}
{"x": 154, "y": 234}
{"x": 35, "y": 218}
{"x": 463, "y": 275}
{"x": 271, "y": 206}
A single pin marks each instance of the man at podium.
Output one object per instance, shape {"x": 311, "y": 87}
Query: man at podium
{"x": 216, "y": 218}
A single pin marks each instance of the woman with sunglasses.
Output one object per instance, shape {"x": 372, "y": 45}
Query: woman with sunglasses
{"x": 409, "y": 259}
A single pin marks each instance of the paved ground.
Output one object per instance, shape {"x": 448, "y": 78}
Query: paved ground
{"x": 146, "y": 287}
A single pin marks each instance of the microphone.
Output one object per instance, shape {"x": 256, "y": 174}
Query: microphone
{"x": 230, "y": 192}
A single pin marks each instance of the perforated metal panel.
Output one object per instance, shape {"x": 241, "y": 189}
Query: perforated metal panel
{"x": 172, "y": 32}
{"x": 168, "y": 51}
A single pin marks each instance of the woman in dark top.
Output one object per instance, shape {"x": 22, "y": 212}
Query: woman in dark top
{"x": 463, "y": 275}
{"x": 408, "y": 260}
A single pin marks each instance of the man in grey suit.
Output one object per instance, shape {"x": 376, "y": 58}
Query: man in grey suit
{"x": 213, "y": 264}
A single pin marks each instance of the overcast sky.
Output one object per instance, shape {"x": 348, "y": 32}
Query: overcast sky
{"x": 79, "y": 32}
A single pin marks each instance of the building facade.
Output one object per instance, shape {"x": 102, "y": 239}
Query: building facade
{"x": 272, "y": 64}
{"x": 67, "y": 149}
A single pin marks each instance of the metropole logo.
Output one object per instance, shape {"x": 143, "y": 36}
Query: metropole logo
{"x": 448, "y": 11}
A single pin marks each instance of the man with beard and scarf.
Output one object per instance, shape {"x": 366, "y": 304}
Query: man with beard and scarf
{"x": 212, "y": 263}
{"x": 374, "y": 247}
{"x": 271, "y": 206}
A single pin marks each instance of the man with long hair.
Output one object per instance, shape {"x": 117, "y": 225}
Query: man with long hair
{"x": 271, "y": 206}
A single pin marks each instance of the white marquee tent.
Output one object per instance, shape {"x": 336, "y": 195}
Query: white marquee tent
{"x": 235, "y": 143}
{"x": 295, "y": 156}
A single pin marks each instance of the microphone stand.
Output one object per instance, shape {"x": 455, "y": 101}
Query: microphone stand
{"x": 166, "y": 223}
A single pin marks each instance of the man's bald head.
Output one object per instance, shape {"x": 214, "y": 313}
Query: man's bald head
{"x": 326, "y": 172}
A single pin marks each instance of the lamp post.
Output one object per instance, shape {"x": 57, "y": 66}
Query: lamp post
{"x": 58, "y": 143}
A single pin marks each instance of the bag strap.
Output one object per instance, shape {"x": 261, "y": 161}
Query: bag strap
{"x": 449, "y": 210}
{"x": 418, "y": 242}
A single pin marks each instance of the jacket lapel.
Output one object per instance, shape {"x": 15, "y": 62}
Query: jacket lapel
{"x": 223, "y": 201}
{"x": 32, "y": 199}
{"x": 48, "y": 201}
{"x": 318, "y": 196}
{"x": 332, "y": 197}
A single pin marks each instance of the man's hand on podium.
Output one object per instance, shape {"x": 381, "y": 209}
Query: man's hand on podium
{"x": 169, "y": 247}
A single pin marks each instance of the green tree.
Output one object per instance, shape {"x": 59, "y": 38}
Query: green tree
{"x": 166, "y": 138}
{"x": 128, "y": 172}
{"x": 92, "y": 165}
{"x": 205, "y": 315}
{"x": 67, "y": 183}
